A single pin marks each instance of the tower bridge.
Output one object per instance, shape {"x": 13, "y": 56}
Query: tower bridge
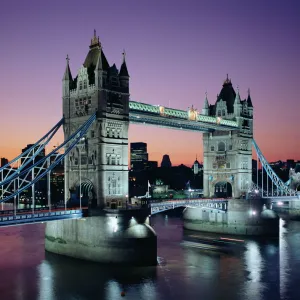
{"x": 97, "y": 113}
{"x": 96, "y": 117}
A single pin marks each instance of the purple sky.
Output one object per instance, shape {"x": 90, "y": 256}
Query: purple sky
{"x": 176, "y": 50}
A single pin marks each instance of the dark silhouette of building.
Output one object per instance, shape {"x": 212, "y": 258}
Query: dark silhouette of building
{"x": 4, "y": 161}
{"x": 138, "y": 156}
{"x": 40, "y": 185}
{"x": 151, "y": 164}
{"x": 290, "y": 163}
{"x": 166, "y": 162}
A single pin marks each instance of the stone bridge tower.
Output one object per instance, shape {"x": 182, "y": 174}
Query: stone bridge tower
{"x": 228, "y": 155}
{"x": 100, "y": 162}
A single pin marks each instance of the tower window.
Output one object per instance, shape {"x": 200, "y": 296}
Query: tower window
{"x": 113, "y": 160}
{"x": 80, "y": 85}
{"x": 221, "y": 146}
{"x": 85, "y": 84}
{"x": 92, "y": 133}
{"x": 212, "y": 148}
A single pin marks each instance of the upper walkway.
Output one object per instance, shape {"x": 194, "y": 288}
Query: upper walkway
{"x": 142, "y": 113}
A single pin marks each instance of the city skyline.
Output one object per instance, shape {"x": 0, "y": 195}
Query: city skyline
{"x": 171, "y": 63}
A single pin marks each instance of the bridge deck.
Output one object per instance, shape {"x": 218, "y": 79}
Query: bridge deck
{"x": 218, "y": 204}
{"x": 26, "y": 216}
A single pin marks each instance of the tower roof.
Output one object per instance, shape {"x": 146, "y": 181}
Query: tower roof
{"x": 206, "y": 104}
{"x": 123, "y": 70}
{"x": 67, "y": 74}
{"x": 227, "y": 94}
{"x": 249, "y": 102}
{"x": 93, "y": 55}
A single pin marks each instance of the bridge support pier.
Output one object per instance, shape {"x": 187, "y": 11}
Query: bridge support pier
{"x": 243, "y": 217}
{"x": 287, "y": 208}
{"x": 119, "y": 237}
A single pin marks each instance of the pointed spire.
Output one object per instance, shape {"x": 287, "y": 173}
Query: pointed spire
{"x": 249, "y": 101}
{"x": 95, "y": 41}
{"x": 206, "y": 105}
{"x": 227, "y": 80}
{"x": 67, "y": 75}
{"x": 124, "y": 55}
{"x": 237, "y": 97}
{"x": 124, "y": 70}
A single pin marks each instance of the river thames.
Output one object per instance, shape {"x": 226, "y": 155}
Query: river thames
{"x": 265, "y": 269}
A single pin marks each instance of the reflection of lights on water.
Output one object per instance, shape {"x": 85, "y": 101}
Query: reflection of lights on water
{"x": 46, "y": 281}
{"x": 253, "y": 261}
{"x": 283, "y": 259}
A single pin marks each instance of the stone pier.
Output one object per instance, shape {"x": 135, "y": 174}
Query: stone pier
{"x": 243, "y": 217}
{"x": 119, "y": 237}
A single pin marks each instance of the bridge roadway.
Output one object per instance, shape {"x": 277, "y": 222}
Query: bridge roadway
{"x": 219, "y": 204}
{"x": 25, "y": 216}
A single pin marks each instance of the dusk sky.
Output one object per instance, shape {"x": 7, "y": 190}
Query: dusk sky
{"x": 176, "y": 50}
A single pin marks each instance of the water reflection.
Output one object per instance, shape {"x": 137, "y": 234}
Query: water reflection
{"x": 283, "y": 259}
{"x": 86, "y": 280}
{"x": 266, "y": 269}
{"x": 253, "y": 288}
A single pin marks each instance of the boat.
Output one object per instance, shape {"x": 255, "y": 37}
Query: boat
{"x": 219, "y": 244}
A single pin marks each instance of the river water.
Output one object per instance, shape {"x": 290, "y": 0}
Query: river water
{"x": 266, "y": 269}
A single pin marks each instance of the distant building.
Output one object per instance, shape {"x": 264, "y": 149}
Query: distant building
{"x": 3, "y": 161}
{"x": 197, "y": 167}
{"x": 138, "y": 156}
{"x": 290, "y": 163}
{"x": 151, "y": 165}
{"x": 38, "y": 157}
{"x": 166, "y": 162}
{"x": 41, "y": 185}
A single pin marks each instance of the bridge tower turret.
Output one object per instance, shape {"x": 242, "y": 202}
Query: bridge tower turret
{"x": 67, "y": 80}
{"x": 228, "y": 155}
{"x": 205, "y": 109}
{"x": 100, "y": 163}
